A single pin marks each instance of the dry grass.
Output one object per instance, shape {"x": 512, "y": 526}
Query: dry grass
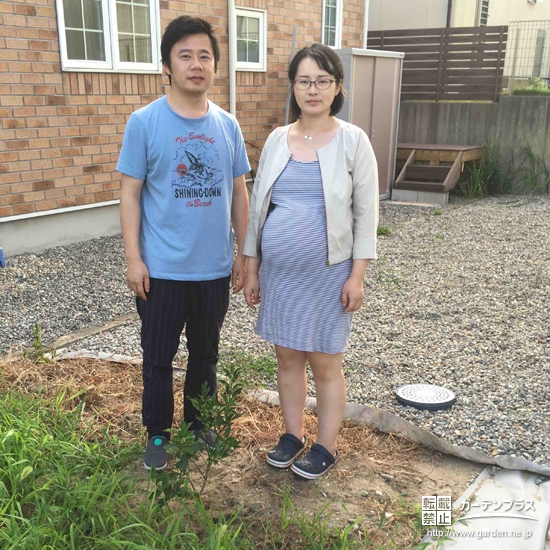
{"x": 261, "y": 425}
{"x": 113, "y": 399}
{"x": 112, "y": 390}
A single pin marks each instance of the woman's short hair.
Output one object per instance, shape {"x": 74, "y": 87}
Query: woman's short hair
{"x": 328, "y": 60}
{"x": 185, "y": 26}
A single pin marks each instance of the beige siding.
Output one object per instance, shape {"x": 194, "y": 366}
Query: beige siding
{"x": 422, "y": 14}
{"x": 501, "y": 12}
{"x": 466, "y": 13}
{"x": 405, "y": 14}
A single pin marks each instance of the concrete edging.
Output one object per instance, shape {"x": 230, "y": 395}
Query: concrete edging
{"x": 42, "y": 230}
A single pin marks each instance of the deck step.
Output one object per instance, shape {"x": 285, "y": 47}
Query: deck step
{"x": 422, "y": 182}
{"x": 420, "y": 172}
{"x": 437, "y": 187}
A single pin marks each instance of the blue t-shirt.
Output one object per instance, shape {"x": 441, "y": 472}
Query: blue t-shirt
{"x": 188, "y": 166}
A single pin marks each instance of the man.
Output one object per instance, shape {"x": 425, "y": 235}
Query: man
{"x": 183, "y": 162}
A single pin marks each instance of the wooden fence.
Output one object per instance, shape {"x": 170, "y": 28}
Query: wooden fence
{"x": 463, "y": 63}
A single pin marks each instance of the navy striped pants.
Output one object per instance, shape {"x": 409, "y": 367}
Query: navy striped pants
{"x": 200, "y": 307}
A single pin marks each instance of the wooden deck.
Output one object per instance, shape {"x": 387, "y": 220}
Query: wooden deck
{"x": 433, "y": 168}
{"x": 435, "y": 154}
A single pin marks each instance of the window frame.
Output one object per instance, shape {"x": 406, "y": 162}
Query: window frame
{"x": 484, "y": 15}
{"x": 112, "y": 63}
{"x": 261, "y": 15}
{"x": 338, "y": 33}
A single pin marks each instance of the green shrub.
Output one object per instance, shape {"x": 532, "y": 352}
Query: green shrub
{"x": 531, "y": 90}
{"x": 537, "y": 82}
{"x": 217, "y": 415}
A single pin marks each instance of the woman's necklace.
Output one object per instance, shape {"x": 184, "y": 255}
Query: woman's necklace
{"x": 309, "y": 137}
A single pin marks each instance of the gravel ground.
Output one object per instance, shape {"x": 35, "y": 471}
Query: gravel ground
{"x": 460, "y": 299}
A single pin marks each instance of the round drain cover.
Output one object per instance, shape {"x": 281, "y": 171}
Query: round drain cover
{"x": 425, "y": 396}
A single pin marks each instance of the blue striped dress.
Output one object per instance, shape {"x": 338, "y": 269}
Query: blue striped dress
{"x": 301, "y": 296}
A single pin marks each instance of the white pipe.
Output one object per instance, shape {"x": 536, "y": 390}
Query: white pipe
{"x": 289, "y": 84}
{"x": 366, "y": 24}
{"x": 232, "y": 37}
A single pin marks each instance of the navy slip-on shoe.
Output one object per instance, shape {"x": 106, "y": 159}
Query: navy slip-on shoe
{"x": 286, "y": 451}
{"x": 316, "y": 463}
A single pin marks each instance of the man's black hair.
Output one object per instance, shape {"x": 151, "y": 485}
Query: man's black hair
{"x": 182, "y": 27}
{"x": 329, "y": 61}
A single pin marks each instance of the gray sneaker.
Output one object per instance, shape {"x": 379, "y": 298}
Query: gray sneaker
{"x": 155, "y": 454}
{"x": 206, "y": 438}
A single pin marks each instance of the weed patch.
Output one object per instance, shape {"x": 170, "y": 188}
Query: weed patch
{"x": 385, "y": 275}
{"x": 61, "y": 490}
{"x": 493, "y": 175}
{"x": 39, "y": 353}
{"x": 534, "y": 172}
{"x": 255, "y": 370}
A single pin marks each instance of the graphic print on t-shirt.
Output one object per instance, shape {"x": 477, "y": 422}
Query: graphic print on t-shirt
{"x": 197, "y": 172}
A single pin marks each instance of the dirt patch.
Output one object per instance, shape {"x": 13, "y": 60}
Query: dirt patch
{"x": 376, "y": 485}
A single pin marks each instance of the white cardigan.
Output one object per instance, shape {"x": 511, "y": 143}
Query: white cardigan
{"x": 350, "y": 187}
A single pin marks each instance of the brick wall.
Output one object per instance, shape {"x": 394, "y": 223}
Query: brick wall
{"x": 60, "y": 133}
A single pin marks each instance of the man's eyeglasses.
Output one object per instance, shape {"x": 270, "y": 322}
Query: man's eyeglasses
{"x": 320, "y": 83}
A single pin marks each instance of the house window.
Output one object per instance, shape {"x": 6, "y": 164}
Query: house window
{"x": 251, "y": 40}
{"x": 484, "y": 13}
{"x": 109, "y": 35}
{"x": 332, "y": 23}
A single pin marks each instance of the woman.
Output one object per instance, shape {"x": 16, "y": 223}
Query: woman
{"x": 312, "y": 228}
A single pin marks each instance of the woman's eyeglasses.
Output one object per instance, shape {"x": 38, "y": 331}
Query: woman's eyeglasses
{"x": 320, "y": 83}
